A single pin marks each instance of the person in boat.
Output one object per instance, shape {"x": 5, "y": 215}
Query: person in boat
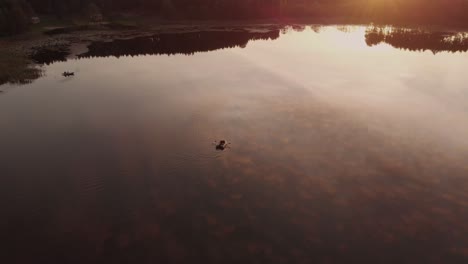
{"x": 222, "y": 145}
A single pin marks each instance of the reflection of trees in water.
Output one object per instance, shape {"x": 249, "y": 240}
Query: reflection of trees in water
{"x": 346, "y": 28}
{"x": 298, "y": 28}
{"x": 219, "y": 38}
{"x": 45, "y": 55}
{"x": 418, "y": 40}
{"x": 316, "y": 28}
{"x": 293, "y": 28}
{"x": 177, "y": 43}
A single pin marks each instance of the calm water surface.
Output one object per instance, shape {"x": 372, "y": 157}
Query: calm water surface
{"x": 347, "y": 146}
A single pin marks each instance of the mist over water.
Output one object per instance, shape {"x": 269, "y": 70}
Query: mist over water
{"x": 347, "y": 145}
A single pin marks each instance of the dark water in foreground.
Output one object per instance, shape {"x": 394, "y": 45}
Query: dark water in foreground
{"x": 346, "y": 147}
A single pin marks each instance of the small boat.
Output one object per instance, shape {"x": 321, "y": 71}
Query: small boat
{"x": 67, "y": 74}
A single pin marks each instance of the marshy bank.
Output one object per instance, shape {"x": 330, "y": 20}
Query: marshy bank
{"x": 21, "y": 56}
{"x": 16, "y": 68}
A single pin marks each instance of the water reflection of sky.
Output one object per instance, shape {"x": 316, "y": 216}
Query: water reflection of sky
{"x": 340, "y": 152}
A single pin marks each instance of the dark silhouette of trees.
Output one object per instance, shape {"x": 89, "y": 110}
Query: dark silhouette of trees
{"x": 93, "y": 12}
{"x": 14, "y": 13}
{"x": 187, "y": 43}
{"x": 177, "y": 43}
{"x": 15, "y": 16}
{"x": 418, "y": 40}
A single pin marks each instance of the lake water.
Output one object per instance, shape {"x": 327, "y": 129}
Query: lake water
{"x": 347, "y": 145}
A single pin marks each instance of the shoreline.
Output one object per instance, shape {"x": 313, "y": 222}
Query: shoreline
{"x": 74, "y": 40}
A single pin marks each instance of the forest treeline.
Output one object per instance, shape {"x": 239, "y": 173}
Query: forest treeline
{"x": 16, "y": 15}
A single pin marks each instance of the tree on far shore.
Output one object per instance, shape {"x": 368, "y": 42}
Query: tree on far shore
{"x": 15, "y": 16}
